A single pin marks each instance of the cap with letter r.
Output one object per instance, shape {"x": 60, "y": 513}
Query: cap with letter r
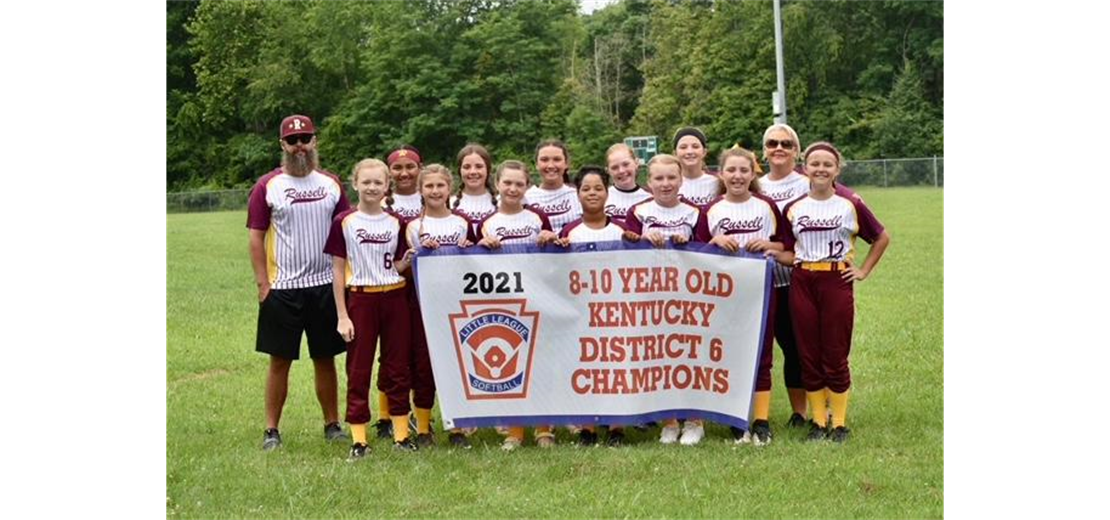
{"x": 296, "y": 124}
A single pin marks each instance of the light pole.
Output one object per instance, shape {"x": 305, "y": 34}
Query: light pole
{"x": 779, "y": 98}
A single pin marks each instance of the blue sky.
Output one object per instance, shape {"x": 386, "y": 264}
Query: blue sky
{"x": 589, "y": 6}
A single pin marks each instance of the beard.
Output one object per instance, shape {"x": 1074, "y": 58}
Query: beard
{"x": 299, "y": 165}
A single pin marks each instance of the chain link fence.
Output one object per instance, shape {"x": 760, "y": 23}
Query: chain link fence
{"x": 880, "y": 172}
{"x": 894, "y": 172}
{"x": 204, "y": 201}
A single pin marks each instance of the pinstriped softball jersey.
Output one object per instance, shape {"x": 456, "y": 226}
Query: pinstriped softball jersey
{"x": 519, "y": 228}
{"x": 580, "y": 233}
{"x": 407, "y": 207}
{"x": 754, "y": 219}
{"x": 296, "y": 213}
{"x": 447, "y": 231}
{"x": 474, "y": 208}
{"x": 826, "y": 230}
{"x": 620, "y": 201}
{"x": 560, "y": 206}
{"x": 371, "y": 244}
{"x": 700, "y": 191}
{"x": 649, "y": 216}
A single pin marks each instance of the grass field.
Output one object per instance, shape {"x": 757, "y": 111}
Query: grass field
{"x": 891, "y": 468}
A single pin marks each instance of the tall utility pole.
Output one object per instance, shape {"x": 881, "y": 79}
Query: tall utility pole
{"x": 779, "y": 100}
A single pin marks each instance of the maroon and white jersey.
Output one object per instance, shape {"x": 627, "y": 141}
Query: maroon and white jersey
{"x": 446, "y": 231}
{"x": 757, "y": 218}
{"x": 783, "y": 191}
{"x": 474, "y": 207}
{"x": 700, "y": 191}
{"x": 619, "y": 201}
{"x": 560, "y": 206}
{"x": 407, "y": 207}
{"x": 649, "y": 216}
{"x": 579, "y": 233}
{"x": 826, "y": 230}
{"x": 372, "y": 245}
{"x": 519, "y": 228}
{"x": 295, "y": 213}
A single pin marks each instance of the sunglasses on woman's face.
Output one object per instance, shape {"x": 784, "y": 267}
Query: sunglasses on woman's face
{"x": 299, "y": 138}
{"x": 787, "y": 144}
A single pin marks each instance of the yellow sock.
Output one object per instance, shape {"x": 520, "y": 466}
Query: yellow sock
{"x": 516, "y": 432}
{"x": 423, "y": 420}
{"x": 762, "y": 405}
{"x": 358, "y": 433}
{"x": 817, "y": 407}
{"x": 839, "y": 405}
{"x": 544, "y": 429}
{"x": 383, "y": 406}
{"x": 400, "y": 427}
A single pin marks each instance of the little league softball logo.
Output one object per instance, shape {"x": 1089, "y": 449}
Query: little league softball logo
{"x": 494, "y": 340}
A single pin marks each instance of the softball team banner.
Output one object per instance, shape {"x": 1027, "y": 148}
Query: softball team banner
{"x": 606, "y": 333}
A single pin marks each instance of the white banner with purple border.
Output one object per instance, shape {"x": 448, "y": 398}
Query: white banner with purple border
{"x": 608, "y": 333}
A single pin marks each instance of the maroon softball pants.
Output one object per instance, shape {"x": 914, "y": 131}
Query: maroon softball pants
{"x": 384, "y": 314}
{"x": 763, "y": 373}
{"x": 824, "y": 309}
{"x": 423, "y": 382}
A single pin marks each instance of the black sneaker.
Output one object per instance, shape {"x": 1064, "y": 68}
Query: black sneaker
{"x": 615, "y": 439}
{"x": 796, "y": 420}
{"x": 458, "y": 440}
{"x": 334, "y": 432}
{"x": 271, "y": 439}
{"x": 587, "y": 438}
{"x": 425, "y": 440}
{"x": 358, "y": 451}
{"x": 761, "y": 432}
{"x": 740, "y": 436}
{"x": 405, "y": 445}
{"x": 817, "y": 433}
{"x": 840, "y": 434}
{"x": 385, "y": 429}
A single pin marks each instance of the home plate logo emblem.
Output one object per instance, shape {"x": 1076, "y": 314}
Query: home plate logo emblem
{"x": 494, "y": 340}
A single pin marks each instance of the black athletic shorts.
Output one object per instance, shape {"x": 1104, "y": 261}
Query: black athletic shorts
{"x": 286, "y": 313}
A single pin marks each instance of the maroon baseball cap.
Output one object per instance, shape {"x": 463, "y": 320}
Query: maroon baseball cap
{"x": 296, "y": 124}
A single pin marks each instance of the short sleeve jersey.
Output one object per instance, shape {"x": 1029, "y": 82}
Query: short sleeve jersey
{"x": 560, "y": 206}
{"x": 446, "y": 231}
{"x": 619, "y": 201}
{"x": 519, "y": 228}
{"x": 649, "y": 216}
{"x": 579, "y": 233}
{"x": 407, "y": 207}
{"x": 474, "y": 207}
{"x": 372, "y": 244}
{"x": 757, "y": 218}
{"x": 700, "y": 191}
{"x": 826, "y": 230}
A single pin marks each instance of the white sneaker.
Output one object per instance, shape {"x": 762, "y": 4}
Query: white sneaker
{"x": 669, "y": 435}
{"x": 510, "y": 443}
{"x": 692, "y": 433}
{"x": 742, "y": 438}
